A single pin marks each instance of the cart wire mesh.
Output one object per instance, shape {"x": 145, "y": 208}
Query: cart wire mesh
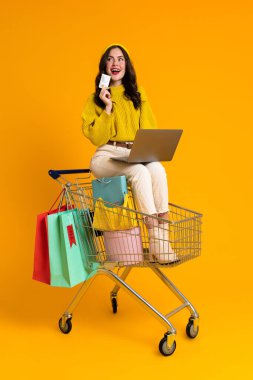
{"x": 115, "y": 235}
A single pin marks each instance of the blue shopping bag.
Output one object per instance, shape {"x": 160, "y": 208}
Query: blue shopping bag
{"x": 69, "y": 265}
{"x": 110, "y": 189}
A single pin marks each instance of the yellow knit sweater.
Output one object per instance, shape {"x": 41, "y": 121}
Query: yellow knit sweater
{"x": 124, "y": 121}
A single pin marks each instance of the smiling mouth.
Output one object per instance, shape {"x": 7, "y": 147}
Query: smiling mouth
{"x": 115, "y": 71}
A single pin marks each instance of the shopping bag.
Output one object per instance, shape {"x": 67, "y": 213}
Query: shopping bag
{"x": 68, "y": 265}
{"x": 116, "y": 218}
{"x": 41, "y": 268}
{"x": 110, "y": 189}
{"x": 124, "y": 246}
{"x": 87, "y": 236}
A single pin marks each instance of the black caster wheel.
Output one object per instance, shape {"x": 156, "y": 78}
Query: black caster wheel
{"x": 67, "y": 328}
{"x": 114, "y": 305}
{"x": 163, "y": 348}
{"x": 192, "y": 331}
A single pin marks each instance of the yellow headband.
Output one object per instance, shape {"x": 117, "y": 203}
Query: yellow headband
{"x": 120, "y": 45}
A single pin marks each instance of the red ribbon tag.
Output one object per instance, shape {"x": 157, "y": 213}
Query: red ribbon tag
{"x": 71, "y": 234}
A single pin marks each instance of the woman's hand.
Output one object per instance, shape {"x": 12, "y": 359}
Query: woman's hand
{"x": 105, "y": 96}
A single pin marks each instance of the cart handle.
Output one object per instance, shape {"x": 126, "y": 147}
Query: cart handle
{"x": 57, "y": 173}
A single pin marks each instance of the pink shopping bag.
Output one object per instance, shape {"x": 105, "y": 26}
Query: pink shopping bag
{"x": 124, "y": 246}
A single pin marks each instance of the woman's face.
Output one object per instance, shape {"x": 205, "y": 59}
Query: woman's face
{"x": 116, "y": 66}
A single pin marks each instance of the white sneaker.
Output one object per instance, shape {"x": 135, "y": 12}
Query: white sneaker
{"x": 153, "y": 241}
{"x": 160, "y": 249}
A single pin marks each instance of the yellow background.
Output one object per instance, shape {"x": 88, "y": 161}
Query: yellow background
{"x": 194, "y": 59}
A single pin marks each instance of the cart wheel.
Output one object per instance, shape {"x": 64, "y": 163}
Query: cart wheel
{"x": 191, "y": 331}
{"x": 67, "y": 328}
{"x": 163, "y": 347}
{"x": 114, "y": 305}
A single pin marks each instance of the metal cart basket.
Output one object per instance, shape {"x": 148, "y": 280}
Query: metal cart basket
{"x": 118, "y": 238}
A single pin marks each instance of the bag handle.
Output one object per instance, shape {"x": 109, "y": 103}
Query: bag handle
{"x": 62, "y": 194}
{"x": 60, "y": 203}
{"x": 103, "y": 180}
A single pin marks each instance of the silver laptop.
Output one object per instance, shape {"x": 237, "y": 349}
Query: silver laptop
{"x": 153, "y": 145}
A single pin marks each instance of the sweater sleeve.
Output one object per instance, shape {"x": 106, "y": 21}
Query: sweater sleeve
{"x": 97, "y": 125}
{"x": 147, "y": 118}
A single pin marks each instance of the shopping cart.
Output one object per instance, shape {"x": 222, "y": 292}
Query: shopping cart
{"x": 122, "y": 240}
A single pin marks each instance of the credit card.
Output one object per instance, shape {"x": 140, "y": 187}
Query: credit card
{"x": 104, "y": 81}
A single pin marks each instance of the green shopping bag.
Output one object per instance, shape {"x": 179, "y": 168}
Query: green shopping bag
{"x": 68, "y": 263}
{"x": 83, "y": 223}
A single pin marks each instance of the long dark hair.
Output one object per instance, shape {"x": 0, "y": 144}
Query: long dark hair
{"x": 129, "y": 80}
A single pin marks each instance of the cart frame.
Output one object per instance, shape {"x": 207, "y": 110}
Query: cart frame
{"x": 167, "y": 344}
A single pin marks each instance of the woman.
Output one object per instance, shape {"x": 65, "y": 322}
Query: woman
{"x": 111, "y": 118}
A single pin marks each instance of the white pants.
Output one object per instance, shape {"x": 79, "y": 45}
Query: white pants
{"x": 148, "y": 181}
